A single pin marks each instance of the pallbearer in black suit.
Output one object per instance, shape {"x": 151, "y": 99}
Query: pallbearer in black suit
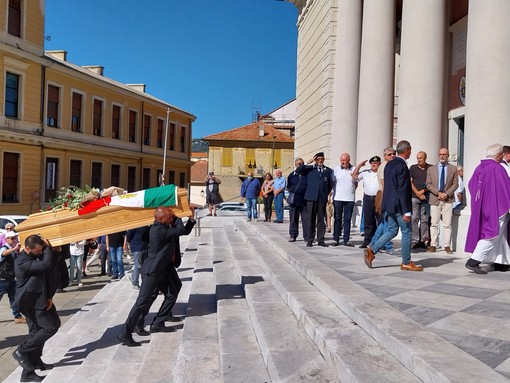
{"x": 163, "y": 238}
{"x": 320, "y": 183}
{"x": 35, "y": 270}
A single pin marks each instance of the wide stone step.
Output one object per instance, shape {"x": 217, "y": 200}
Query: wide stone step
{"x": 240, "y": 357}
{"x": 351, "y": 352}
{"x": 198, "y": 359}
{"x": 289, "y": 354}
{"x": 411, "y": 344}
{"x": 86, "y": 348}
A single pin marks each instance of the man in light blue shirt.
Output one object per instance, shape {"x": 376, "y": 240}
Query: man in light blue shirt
{"x": 279, "y": 186}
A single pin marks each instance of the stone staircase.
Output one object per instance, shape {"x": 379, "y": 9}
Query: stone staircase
{"x": 258, "y": 309}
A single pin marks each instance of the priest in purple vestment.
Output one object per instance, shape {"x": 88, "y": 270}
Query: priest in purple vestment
{"x": 488, "y": 232}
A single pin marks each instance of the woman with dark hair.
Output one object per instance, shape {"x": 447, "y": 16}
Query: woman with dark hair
{"x": 267, "y": 192}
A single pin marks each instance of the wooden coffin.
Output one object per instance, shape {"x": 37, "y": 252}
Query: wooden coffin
{"x": 66, "y": 226}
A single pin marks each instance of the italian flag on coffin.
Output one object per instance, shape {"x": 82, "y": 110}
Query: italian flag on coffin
{"x": 148, "y": 198}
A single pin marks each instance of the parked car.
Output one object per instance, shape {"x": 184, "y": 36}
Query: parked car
{"x": 231, "y": 210}
{"x": 228, "y": 204}
{"x": 15, "y": 219}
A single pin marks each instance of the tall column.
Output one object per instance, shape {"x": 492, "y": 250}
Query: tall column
{"x": 377, "y": 76}
{"x": 421, "y": 109}
{"x": 345, "y": 99}
{"x": 487, "y": 80}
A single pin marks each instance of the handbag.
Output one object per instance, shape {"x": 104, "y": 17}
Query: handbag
{"x": 291, "y": 198}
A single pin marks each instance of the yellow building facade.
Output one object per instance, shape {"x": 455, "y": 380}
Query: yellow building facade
{"x": 62, "y": 124}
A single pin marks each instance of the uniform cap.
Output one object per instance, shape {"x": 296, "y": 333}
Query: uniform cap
{"x": 375, "y": 159}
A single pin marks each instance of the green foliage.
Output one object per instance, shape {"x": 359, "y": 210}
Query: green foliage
{"x": 72, "y": 197}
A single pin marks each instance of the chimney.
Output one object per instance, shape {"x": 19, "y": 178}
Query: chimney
{"x": 261, "y": 130}
{"x": 98, "y": 69}
{"x": 60, "y": 55}
{"x": 138, "y": 87}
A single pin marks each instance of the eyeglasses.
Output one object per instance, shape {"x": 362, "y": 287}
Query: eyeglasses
{"x": 390, "y": 154}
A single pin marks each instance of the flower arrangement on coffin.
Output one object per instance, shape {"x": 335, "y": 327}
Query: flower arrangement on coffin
{"x": 74, "y": 198}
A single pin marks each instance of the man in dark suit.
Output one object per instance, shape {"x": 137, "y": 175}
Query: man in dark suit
{"x": 296, "y": 185}
{"x": 170, "y": 286}
{"x": 35, "y": 270}
{"x": 162, "y": 239}
{"x": 398, "y": 206}
{"x": 320, "y": 184}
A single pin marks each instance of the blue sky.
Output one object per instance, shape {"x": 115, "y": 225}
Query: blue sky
{"x": 214, "y": 58}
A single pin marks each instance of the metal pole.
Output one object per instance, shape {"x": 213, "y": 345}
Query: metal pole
{"x": 272, "y": 165}
{"x": 164, "y": 146}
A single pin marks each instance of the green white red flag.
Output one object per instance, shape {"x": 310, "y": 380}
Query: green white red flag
{"x": 148, "y": 198}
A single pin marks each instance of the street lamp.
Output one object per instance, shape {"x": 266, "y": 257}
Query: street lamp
{"x": 272, "y": 165}
{"x": 164, "y": 149}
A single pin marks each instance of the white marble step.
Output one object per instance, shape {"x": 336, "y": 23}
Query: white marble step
{"x": 198, "y": 356}
{"x": 413, "y": 345}
{"x": 289, "y": 354}
{"x": 349, "y": 350}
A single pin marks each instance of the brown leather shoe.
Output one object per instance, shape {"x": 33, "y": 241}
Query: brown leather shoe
{"x": 448, "y": 249}
{"x": 369, "y": 257}
{"x": 411, "y": 267}
{"x": 431, "y": 249}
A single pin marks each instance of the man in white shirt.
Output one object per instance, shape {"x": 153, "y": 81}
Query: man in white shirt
{"x": 370, "y": 188}
{"x": 343, "y": 200}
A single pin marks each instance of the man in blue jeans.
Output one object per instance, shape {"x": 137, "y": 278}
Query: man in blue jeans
{"x": 279, "y": 186}
{"x": 138, "y": 240}
{"x": 398, "y": 206}
{"x": 250, "y": 190}
{"x": 116, "y": 245}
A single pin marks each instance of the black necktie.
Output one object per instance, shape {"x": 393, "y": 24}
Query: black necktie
{"x": 441, "y": 179}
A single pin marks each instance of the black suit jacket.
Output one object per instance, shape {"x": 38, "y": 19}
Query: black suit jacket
{"x": 187, "y": 229}
{"x": 162, "y": 245}
{"x": 297, "y": 184}
{"x": 36, "y": 280}
{"x": 319, "y": 184}
{"x": 397, "y": 187}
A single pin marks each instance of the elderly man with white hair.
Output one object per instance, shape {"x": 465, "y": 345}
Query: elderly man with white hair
{"x": 487, "y": 236}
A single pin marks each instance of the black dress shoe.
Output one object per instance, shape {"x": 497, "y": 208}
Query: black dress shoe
{"x": 292, "y": 239}
{"x": 22, "y": 360}
{"x": 171, "y": 318}
{"x": 323, "y": 244}
{"x": 348, "y": 244}
{"x": 30, "y": 376}
{"x": 128, "y": 340}
{"x": 141, "y": 332}
{"x": 363, "y": 246}
{"x": 161, "y": 328}
{"x": 309, "y": 244}
{"x": 335, "y": 243}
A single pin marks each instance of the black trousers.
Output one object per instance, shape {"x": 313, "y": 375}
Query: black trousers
{"x": 294, "y": 214}
{"x": 42, "y": 325}
{"x": 268, "y": 206}
{"x": 371, "y": 218}
{"x": 316, "y": 212}
{"x": 170, "y": 286}
{"x": 143, "y": 302}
